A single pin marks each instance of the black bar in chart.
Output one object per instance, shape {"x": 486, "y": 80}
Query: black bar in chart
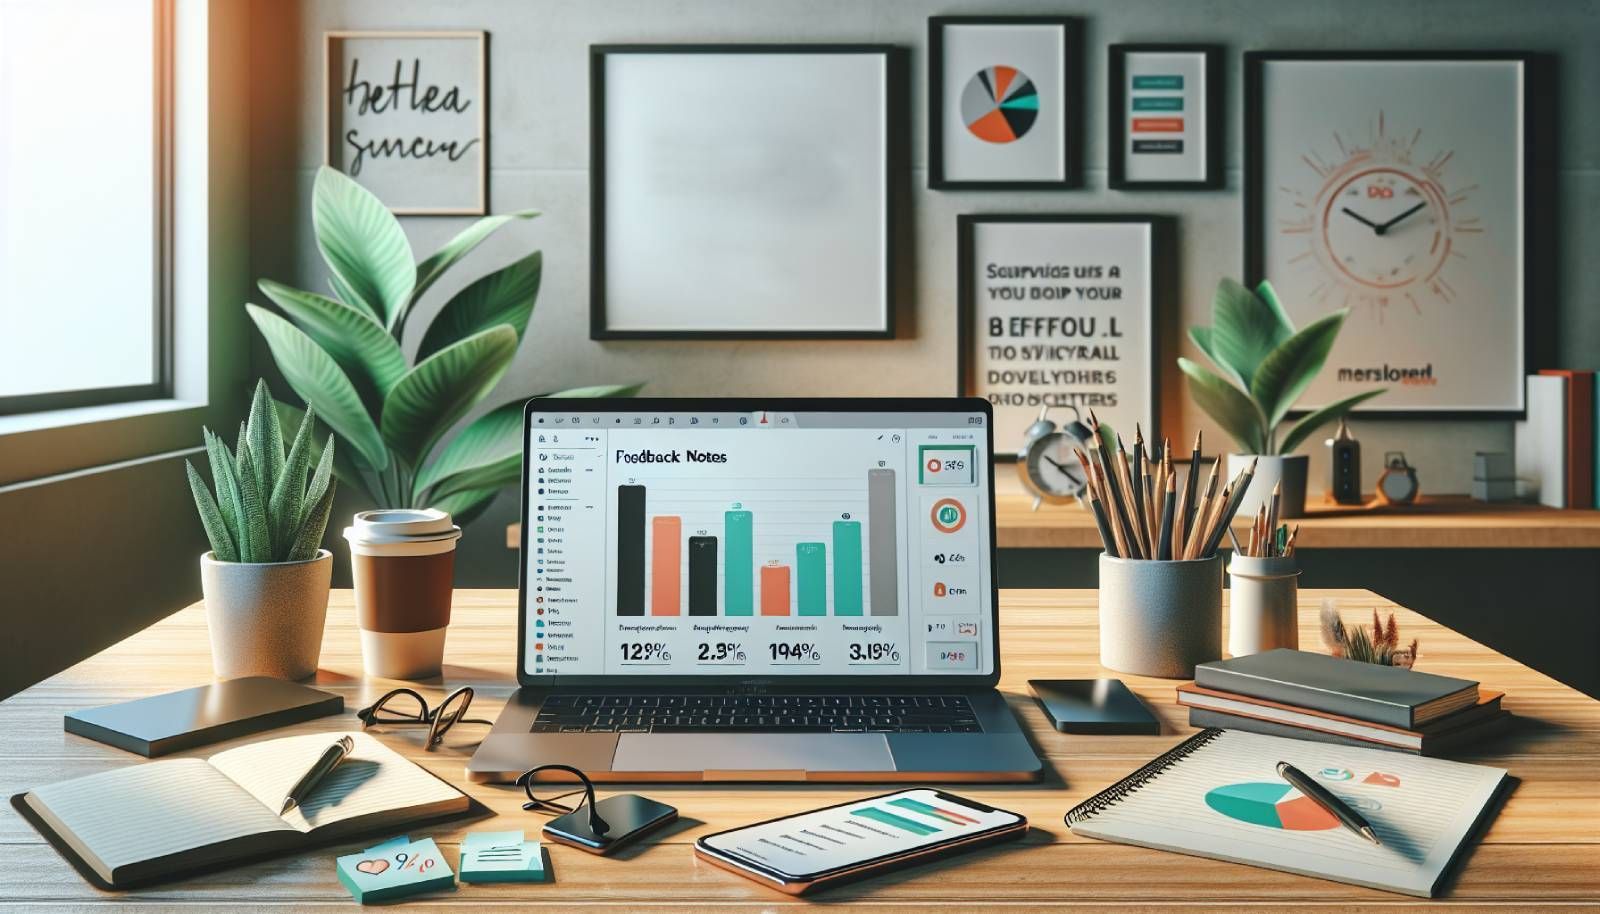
{"x": 702, "y": 576}
{"x": 630, "y": 550}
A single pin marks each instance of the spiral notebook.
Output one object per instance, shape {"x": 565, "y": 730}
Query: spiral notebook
{"x": 1218, "y": 795}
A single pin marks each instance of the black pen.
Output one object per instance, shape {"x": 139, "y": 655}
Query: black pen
{"x": 1324, "y": 797}
{"x": 330, "y": 759}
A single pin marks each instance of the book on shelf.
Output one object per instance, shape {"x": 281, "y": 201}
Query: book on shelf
{"x": 1579, "y": 422}
{"x": 1389, "y": 695}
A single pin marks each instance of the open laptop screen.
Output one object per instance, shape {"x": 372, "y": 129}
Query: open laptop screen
{"x": 664, "y": 541}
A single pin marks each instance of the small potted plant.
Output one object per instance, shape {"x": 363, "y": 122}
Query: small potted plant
{"x": 1265, "y": 364}
{"x": 266, "y": 577}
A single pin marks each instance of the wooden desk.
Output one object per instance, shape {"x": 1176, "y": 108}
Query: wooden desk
{"x": 1542, "y": 851}
{"x": 1435, "y": 522}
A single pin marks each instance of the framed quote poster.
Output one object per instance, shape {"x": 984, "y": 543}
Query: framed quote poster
{"x": 777, "y": 224}
{"x": 1060, "y": 310}
{"x": 1403, "y": 186}
{"x": 407, "y": 117}
{"x": 1004, "y": 103}
{"x": 1164, "y": 117}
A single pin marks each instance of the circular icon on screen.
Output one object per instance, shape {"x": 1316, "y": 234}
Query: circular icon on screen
{"x": 933, "y": 464}
{"x": 949, "y": 515}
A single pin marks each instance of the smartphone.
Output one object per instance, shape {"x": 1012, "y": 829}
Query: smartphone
{"x": 1094, "y": 706}
{"x": 628, "y": 816}
{"x": 813, "y": 850}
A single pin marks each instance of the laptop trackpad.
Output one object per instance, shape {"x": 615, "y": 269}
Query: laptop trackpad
{"x": 784, "y": 755}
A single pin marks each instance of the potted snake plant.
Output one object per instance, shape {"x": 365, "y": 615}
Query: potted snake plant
{"x": 1265, "y": 364}
{"x": 266, "y": 577}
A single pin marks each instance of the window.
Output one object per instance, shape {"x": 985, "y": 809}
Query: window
{"x": 85, "y": 121}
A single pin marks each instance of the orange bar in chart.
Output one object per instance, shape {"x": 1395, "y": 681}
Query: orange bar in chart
{"x": 1158, "y": 125}
{"x": 775, "y": 590}
{"x": 666, "y": 562}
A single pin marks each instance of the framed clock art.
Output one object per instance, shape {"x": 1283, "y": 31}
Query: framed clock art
{"x": 1408, "y": 188}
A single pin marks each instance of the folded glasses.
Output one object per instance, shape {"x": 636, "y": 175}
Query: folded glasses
{"x": 407, "y": 708}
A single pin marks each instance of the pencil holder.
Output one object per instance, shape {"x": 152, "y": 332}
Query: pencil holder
{"x": 1263, "y": 604}
{"x": 1160, "y": 618}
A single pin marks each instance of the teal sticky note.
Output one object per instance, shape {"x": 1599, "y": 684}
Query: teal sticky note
{"x": 501, "y": 856}
{"x": 395, "y": 869}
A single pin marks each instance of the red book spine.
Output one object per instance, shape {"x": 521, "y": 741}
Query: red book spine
{"x": 1580, "y": 435}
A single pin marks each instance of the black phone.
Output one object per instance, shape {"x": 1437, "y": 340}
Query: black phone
{"x": 1094, "y": 706}
{"x": 628, "y": 815}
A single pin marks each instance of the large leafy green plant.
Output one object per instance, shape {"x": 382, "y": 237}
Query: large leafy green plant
{"x": 342, "y": 355}
{"x": 269, "y": 506}
{"x": 1266, "y": 365}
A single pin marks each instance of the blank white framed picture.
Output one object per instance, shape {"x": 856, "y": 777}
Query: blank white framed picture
{"x": 744, "y": 191}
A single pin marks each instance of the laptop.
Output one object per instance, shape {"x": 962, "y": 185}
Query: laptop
{"x": 758, "y": 590}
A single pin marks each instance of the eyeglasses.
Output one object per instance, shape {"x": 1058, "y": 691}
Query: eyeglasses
{"x": 395, "y": 709}
{"x": 553, "y": 804}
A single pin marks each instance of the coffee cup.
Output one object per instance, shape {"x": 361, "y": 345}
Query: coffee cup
{"x": 403, "y": 564}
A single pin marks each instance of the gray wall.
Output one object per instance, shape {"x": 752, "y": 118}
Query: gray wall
{"x": 539, "y": 157}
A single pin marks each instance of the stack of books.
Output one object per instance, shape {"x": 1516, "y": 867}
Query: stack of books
{"x": 1303, "y": 695}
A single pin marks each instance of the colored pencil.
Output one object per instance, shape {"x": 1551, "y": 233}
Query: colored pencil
{"x": 1169, "y": 504}
{"x": 1190, "y": 484}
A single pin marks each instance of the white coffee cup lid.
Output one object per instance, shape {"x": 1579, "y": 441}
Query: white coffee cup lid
{"x": 401, "y": 525}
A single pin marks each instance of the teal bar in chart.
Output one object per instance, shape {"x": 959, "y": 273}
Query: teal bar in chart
{"x": 847, "y": 568}
{"x": 1154, "y": 81}
{"x": 1159, "y": 103}
{"x": 738, "y": 576}
{"x": 888, "y": 818}
{"x": 811, "y": 567}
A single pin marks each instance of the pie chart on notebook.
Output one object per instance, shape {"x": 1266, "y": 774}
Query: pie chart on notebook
{"x": 999, "y": 104}
{"x": 1270, "y": 805}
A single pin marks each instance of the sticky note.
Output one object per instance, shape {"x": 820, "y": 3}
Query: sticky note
{"x": 501, "y": 856}
{"x": 397, "y": 868}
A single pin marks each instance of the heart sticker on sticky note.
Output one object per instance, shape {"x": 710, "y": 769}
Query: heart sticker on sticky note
{"x": 372, "y": 867}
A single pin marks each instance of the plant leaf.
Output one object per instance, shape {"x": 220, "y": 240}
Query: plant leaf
{"x": 264, "y": 438}
{"x": 343, "y": 467}
{"x": 505, "y": 296}
{"x": 366, "y": 351}
{"x": 1225, "y": 403}
{"x": 308, "y": 537}
{"x": 1202, "y": 339}
{"x": 362, "y": 243}
{"x": 1243, "y": 329}
{"x": 227, "y": 484}
{"x": 1315, "y": 420}
{"x": 429, "y": 270}
{"x": 222, "y": 548}
{"x": 442, "y": 388}
{"x": 342, "y": 291}
{"x": 464, "y": 506}
{"x": 1290, "y": 368}
{"x": 253, "y": 513}
{"x": 1269, "y": 296}
{"x": 285, "y": 505}
{"x": 321, "y": 477}
{"x": 319, "y": 381}
{"x": 488, "y": 446}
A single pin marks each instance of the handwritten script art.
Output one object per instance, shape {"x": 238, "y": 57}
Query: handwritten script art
{"x": 405, "y": 93}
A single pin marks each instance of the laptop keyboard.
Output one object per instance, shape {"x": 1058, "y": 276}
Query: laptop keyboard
{"x": 756, "y": 714}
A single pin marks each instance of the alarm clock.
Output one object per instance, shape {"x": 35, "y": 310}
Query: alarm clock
{"x": 1398, "y": 483}
{"x": 1049, "y": 470}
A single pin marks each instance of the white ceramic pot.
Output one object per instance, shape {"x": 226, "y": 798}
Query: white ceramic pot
{"x": 1290, "y": 470}
{"x": 1160, "y": 618}
{"x": 1263, "y": 604}
{"x": 266, "y": 619}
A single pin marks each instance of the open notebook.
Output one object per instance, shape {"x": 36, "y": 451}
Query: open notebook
{"x": 1218, "y": 795}
{"x": 167, "y": 818}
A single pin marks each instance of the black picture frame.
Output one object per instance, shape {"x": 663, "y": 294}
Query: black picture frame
{"x": 1163, "y": 287}
{"x": 1072, "y": 71}
{"x": 1117, "y": 124}
{"x": 1539, "y": 160}
{"x": 896, "y": 169}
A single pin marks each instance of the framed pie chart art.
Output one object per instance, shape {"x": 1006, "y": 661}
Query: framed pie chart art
{"x": 1004, "y": 103}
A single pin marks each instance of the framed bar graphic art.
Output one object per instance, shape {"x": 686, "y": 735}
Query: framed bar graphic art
{"x": 1164, "y": 117}
{"x": 1005, "y": 103}
{"x": 1061, "y": 310}
{"x": 744, "y": 191}
{"x": 1411, "y": 189}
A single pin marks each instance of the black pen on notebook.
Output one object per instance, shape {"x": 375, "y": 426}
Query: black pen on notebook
{"x": 1325, "y": 798}
{"x": 329, "y": 760}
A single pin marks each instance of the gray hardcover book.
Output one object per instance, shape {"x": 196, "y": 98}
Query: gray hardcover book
{"x": 1452, "y": 741}
{"x": 1381, "y": 694}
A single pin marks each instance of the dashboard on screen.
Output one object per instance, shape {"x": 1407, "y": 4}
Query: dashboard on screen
{"x": 757, "y": 544}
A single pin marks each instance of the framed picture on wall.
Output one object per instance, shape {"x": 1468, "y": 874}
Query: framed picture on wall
{"x": 744, "y": 191}
{"x": 1061, "y": 310}
{"x": 1005, "y": 99}
{"x": 1164, "y": 117}
{"x": 406, "y": 116}
{"x": 1406, "y": 187}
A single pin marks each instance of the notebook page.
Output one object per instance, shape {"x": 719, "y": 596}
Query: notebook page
{"x": 372, "y": 779}
{"x": 1226, "y": 800}
{"x": 152, "y": 810}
